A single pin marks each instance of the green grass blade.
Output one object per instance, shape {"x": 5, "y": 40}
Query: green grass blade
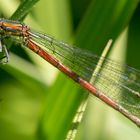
{"x": 23, "y": 9}
{"x": 100, "y": 21}
{"x": 96, "y": 28}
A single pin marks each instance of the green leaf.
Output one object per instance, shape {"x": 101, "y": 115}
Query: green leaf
{"x": 46, "y": 112}
{"x": 23, "y": 9}
{"x": 102, "y": 21}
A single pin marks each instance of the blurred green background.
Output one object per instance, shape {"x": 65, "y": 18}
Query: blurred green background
{"x": 38, "y": 102}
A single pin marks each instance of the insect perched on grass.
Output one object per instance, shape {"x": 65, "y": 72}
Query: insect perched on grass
{"x": 79, "y": 65}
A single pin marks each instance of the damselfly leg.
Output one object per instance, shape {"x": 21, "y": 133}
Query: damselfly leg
{"x": 4, "y": 52}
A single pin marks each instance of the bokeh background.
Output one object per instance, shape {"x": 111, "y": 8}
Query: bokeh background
{"x": 38, "y": 102}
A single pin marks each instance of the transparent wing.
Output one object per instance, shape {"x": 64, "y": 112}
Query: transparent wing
{"x": 119, "y": 82}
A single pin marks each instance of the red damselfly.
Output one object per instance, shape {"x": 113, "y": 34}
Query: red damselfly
{"x": 79, "y": 65}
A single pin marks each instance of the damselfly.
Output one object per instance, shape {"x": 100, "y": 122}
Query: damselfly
{"x": 118, "y": 85}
